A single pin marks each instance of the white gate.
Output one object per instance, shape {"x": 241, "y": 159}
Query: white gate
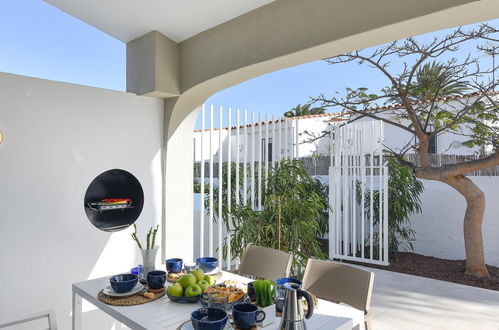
{"x": 233, "y": 151}
{"x": 358, "y": 193}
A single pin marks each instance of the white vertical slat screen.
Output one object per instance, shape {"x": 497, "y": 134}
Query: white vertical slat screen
{"x": 260, "y": 160}
{"x": 267, "y": 142}
{"x": 358, "y": 154}
{"x": 229, "y": 185}
{"x": 274, "y": 142}
{"x": 220, "y": 183}
{"x": 201, "y": 181}
{"x": 237, "y": 154}
{"x": 210, "y": 237}
{"x": 245, "y": 159}
{"x": 259, "y": 146}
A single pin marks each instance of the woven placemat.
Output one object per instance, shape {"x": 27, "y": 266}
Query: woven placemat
{"x": 135, "y": 299}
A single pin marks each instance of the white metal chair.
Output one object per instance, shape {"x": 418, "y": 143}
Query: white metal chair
{"x": 50, "y": 315}
{"x": 259, "y": 261}
{"x": 340, "y": 283}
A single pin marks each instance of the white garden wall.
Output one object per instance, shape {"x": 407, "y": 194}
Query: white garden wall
{"x": 57, "y": 138}
{"x": 439, "y": 228}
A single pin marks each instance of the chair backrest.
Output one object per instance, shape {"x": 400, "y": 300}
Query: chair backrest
{"x": 339, "y": 282}
{"x": 265, "y": 262}
{"x": 50, "y": 315}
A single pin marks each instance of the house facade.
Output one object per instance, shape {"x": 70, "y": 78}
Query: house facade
{"x": 307, "y": 136}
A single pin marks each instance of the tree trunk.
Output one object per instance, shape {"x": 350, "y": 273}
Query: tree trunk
{"x": 473, "y": 218}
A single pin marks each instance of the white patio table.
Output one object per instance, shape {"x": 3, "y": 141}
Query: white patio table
{"x": 165, "y": 314}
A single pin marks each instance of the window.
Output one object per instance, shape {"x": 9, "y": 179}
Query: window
{"x": 432, "y": 145}
{"x": 267, "y": 150}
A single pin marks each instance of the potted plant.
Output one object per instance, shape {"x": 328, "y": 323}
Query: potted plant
{"x": 150, "y": 250}
{"x": 264, "y": 294}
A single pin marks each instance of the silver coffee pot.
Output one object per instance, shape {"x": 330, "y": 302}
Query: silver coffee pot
{"x": 293, "y": 317}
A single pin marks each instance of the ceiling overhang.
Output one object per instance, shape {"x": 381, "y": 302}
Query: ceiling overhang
{"x": 127, "y": 20}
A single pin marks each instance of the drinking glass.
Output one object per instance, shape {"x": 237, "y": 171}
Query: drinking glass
{"x": 218, "y": 300}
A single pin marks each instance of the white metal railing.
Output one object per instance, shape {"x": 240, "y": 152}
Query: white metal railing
{"x": 358, "y": 166}
{"x": 248, "y": 145}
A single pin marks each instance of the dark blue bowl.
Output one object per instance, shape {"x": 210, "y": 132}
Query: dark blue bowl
{"x": 174, "y": 265}
{"x": 123, "y": 283}
{"x": 283, "y": 280}
{"x": 184, "y": 299}
{"x": 207, "y": 264}
{"x": 209, "y": 318}
{"x": 156, "y": 279}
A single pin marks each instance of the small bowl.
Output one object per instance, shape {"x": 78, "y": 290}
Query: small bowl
{"x": 156, "y": 279}
{"x": 207, "y": 264}
{"x": 217, "y": 318}
{"x": 283, "y": 280}
{"x": 184, "y": 299}
{"x": 174, "y": 265}
{"x": 190, "y": 266}
{"x": 123, "y": 283}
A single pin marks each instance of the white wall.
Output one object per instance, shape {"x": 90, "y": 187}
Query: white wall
{"x": 439, "y": 228}
{"x": 57, "y": 138}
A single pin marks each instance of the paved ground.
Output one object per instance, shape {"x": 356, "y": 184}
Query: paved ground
{"x": 406, "y": 302}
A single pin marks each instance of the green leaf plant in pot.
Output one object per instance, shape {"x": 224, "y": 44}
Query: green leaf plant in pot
{"x": 264, "y": 294}
{"x": 150, "y": 250}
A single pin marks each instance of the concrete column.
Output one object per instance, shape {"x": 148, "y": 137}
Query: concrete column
{"x": 152, "y": 66}
{"x": 178, "y": 207}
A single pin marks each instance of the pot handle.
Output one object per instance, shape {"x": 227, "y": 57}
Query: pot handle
{"x": 310, "y": 302}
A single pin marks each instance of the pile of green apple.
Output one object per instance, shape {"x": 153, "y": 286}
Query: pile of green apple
{"x": 192, "y": 284}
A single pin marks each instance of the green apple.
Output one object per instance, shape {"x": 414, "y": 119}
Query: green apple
{"x": 187, "y": 280}
{"x": 203, "y": 284}
{"x": 176, "y": 290}
{"x": 210, "y": 279}
{"x": 193, "y": 290}
{"x": 198, "y": 273}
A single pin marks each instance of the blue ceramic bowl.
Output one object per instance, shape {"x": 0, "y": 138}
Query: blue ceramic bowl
{"x": 207, "y": 264}
{"x": 156, "y": 279}
{"x": 123, "y": 283}
{"x": 209, "y": 318}
{"x": 184, "y": 299}
{"x": 174, "y": 265}
{"x": 283, "y": 280}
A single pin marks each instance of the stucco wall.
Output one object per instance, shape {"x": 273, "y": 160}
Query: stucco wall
{"x": 439, "y": 228}
{"x": 57, "y": 138}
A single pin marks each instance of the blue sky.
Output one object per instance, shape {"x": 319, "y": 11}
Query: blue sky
{"x": 41, "y": 41}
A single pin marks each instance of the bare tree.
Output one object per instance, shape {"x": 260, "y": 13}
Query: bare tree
{"x": 423, "y": 99}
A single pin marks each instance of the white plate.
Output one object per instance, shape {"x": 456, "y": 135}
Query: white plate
{"x": 187, "y": 325}
{"x": 108, "y": 290}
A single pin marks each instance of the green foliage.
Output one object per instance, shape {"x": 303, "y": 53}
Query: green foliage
{"x": 403, "y": 200}
{"x": 435, "y": 89}
{"x": 321, "y": 189}
{"x": 304, "y": 110}
{"x": 290, "y": 218}
{"x": 150, "y": 238}
{"x": 264, "y": 292}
